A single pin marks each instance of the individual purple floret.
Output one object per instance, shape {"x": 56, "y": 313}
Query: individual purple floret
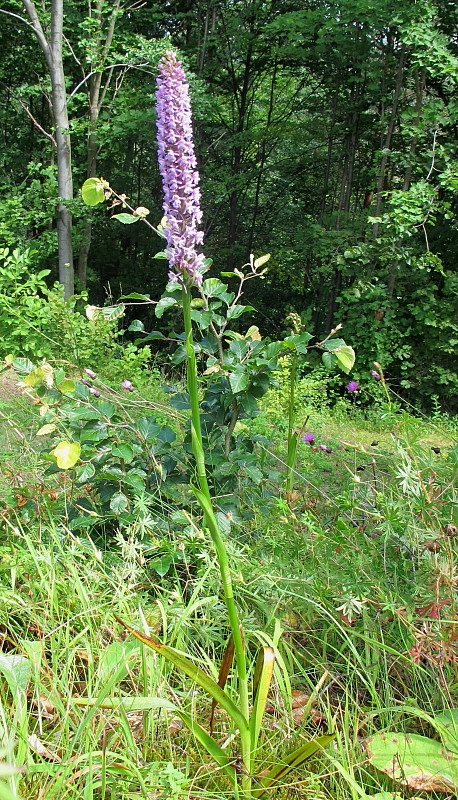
{"x": 91, "y": 373}
{"x": 308, "y": 438}
{"x": 325, "y": 448}
{"x": 352, "y": 386}
{"x": 95, "y": 392}
{"x": 127, "y": 385}
{"x": 180, "y": 179}
{"x": 376, "y": 376}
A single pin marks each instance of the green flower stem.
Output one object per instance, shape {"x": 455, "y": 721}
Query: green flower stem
{"x": 206, "y": 504}
{"x": 292, "y": 435}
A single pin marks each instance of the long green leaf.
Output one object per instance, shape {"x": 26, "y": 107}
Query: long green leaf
{"x": 223, "y": 674}
{"x": 149, "y": 703}
{"x": 261, "y": 684}
{"x": 127, "y": 703}
{"x": 292, "y": 761}
{"x": 192, "y": 671}
{"x": 213, "y": 749}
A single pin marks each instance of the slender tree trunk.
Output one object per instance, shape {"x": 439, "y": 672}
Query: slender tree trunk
{"x": 52, "y": 49}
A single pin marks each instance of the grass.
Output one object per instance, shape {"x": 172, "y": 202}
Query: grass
{"x": 344, "y": 570}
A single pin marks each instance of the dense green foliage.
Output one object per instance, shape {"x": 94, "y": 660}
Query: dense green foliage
{"x": 326, "y": 135}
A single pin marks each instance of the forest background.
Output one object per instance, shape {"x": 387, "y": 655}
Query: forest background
{"x": 326, "y": 134}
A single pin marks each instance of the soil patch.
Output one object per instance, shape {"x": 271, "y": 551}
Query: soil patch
{"x": 8, "y": 385}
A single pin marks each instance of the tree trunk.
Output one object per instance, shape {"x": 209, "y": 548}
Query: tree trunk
{"x": 52, "y": 50}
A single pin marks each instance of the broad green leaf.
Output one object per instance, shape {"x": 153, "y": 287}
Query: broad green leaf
{"x": 126, "y": 219}
{"x": 261, "y": 683}
{"x": 192, "y": 671}
{"x": 135, "y": 296}
{"x": 329, "y": 360}
{"x": 85, "y": 473}
{"x": 136, "y": 325}
{"x": 333, "y": 344}
{"x": 67, "y": 386}
{"x": 66, "y": 454}
{"x": 22, "y": 365}
{"x": 46, "y": 429}
{"x": 448, "y": 720}
{"x": 345, "y": 356}
{"x": 92, "y": 192}
{"x": 239, "y": 380}
{"x": 213, "y": 287}
{"x": 292, "y": 761}
{"x": 119, "y": 503}
{"x": 16, "y": 671}
{"x": 123, "y": 450}
{"x": 233, "y": 312}
{"x": 150, "y": 337}
{"x": 161, "y": 565}
{"x": 163, "y": 304}
{"x": 415, "y": 761}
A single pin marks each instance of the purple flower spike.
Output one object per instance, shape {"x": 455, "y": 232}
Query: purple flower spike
{"x": 127, "y": 385}
{"x": 376, "y": 376}
{"x": 352, "y": 386}
{"x": 91, "y": 373}
{"x": 308, "y": 438}
{"x": 180, "y": 179}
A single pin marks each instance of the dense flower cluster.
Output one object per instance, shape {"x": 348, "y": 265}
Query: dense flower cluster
{"x": 180, "y": 179}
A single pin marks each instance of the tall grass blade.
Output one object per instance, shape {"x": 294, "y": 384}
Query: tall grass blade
{"x": 198, "y": 675}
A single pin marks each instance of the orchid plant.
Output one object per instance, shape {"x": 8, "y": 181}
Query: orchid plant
{"x": 244, "y": 705}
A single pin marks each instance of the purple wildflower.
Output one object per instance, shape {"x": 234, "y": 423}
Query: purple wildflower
{"x": 376, "y": 376}
{"x": 180, "y": 179}
{"x": 308, "y": 438}
{"x": 325, "y": 448}
{"x": 127, "y": 385}
{"x": 352, "y": 386}
{"x": 95, "y": 392}
{"x": 91, "y": 373}
{"x": 86, "y": 382}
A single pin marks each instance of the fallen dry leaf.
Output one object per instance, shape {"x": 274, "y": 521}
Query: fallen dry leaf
{"x": 41, "y": 750}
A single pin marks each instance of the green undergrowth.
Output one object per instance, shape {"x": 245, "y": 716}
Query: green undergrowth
{"x": 355, "y": 568}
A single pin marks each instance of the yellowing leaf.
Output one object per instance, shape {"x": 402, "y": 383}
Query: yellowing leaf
{"x": 92, "y": 312}
{"x": 40, "y": 375}
{"x": 66, "y": 454}
{"x": 45, "y": 429}
{"x": 345, "y": 356}
{"x": 212, "y": 369}
{"x": 253, "y": 334}
{"x": 67, "y": 386}
{"x": 258, "y": 262}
